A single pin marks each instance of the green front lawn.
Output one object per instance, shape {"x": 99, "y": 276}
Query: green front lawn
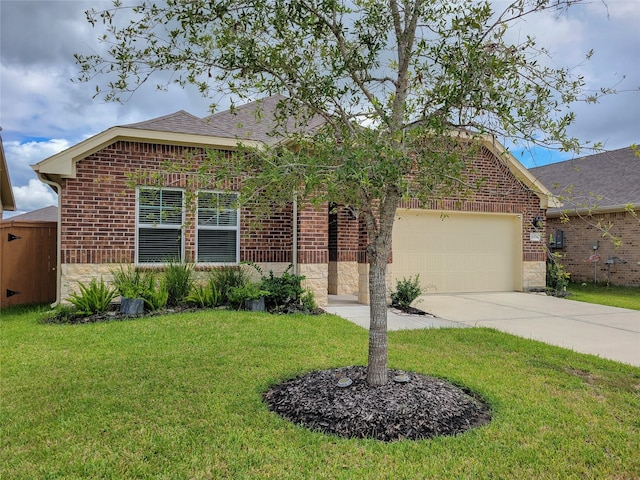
{"x": 614, "y": 296}
{"x": 179, "y": 397}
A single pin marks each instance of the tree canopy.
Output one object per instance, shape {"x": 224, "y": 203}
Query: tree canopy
{"x": 402, "y": 86}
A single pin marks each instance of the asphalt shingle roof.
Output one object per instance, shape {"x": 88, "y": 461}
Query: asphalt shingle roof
{"x": 46, "y": 214}
{"x": 605, "y": 179}
{"x": 253, "y": 121}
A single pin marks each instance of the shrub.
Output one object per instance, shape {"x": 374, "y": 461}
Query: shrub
{"x": 248, "y": 291}
{"x": 284, "y": 291}
{"x": 93, "y": 298}
{"x": 131, "y": 283}
{"x": 225, "y": 279}
{"x": 557, "y": 276}
{"x": 156, "y": 294}
{"x": 407, "y": 290}
{"x": 179, "y": 281}
{"x": 308, "y": 302}
{"x": 205, "y": 295}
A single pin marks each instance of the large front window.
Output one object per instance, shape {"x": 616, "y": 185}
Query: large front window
{"x": 160, "y": 217}
{"x": 218, "y": 232}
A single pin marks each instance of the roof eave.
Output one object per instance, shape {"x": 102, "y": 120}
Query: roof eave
{"x": 63, "y": 165}
{"x": 6, "y": 192}
{"x": 593, "y": 211}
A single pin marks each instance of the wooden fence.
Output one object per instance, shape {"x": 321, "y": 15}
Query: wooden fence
{"x": 28, "y": 262}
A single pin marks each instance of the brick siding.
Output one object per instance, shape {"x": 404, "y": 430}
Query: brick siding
{"x": 579, "y": 235}
{"x": 98, "y": 211}
{"x": 99, "y": 208}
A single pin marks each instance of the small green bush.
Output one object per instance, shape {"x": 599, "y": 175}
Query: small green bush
{"x": 308, "y": 302}
{"x": 557, "y": 276}
{"x": 93, "y": 298}
{"x": 248, "y": 291}
{"x": 226, "y": 278}
{"x": 179, "y": 281}
{"x": 407, "y": 290}
{"x": 130, "y": 282}
{"x": 205, "y": 295}
{"x": 284, "y": 291}
{"x": 156, "y": 293}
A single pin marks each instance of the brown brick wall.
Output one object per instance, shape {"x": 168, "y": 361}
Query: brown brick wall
{"x": 579, "y": 235}
{"x": 98, "y": 208}
{"x": 500, "y": 192}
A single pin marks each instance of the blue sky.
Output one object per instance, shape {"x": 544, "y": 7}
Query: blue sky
{"x": 42, "y": 112}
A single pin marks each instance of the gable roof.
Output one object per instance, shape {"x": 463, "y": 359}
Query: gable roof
{"x": 258, "y": 121}
{"x": 251, "y": 124}
{"x": 254, "y": 124}
{"x": 6, "y": 192}
{"x": 606, "y": 181}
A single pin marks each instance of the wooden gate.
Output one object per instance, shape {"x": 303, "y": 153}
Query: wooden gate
{"x": 29, "y": 261}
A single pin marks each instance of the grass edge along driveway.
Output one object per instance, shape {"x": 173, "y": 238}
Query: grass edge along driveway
{"x": 180, "y": 397}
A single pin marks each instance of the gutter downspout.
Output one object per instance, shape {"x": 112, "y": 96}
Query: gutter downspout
{"x": 294, "y": 253}
{"x": 58, "y": 188}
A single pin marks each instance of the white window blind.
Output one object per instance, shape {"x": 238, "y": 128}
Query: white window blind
{"x": 160, "y": 215}
{"x": 218, "y": 232}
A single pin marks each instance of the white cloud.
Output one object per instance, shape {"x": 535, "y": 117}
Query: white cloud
{"x": 20, "y": 157}
{"x": 33, "y": 196}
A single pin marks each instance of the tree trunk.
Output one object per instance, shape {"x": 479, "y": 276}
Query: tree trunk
{"x": 379, "y": 252}
{"x": 378, "y": 349}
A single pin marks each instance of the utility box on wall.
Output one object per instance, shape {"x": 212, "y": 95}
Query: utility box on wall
{"x": 557, "y": 239}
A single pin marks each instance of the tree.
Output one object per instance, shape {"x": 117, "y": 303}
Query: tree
{"x": 403, "y": 87}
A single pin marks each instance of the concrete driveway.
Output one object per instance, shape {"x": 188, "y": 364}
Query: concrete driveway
{"x": 608, "y": 332}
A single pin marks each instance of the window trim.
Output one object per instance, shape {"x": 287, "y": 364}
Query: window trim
{"x": 225, "y": 228}
{"x": 140, "y": 225}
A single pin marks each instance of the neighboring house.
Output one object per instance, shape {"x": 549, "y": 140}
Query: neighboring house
{"x": 7, "y": 201}
{"x": 485, "y": 243}
{"x": 600, "y": 197}
{"x": 28, "y": 259}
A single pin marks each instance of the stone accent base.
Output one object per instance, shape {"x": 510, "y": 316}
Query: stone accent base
{"x": 534, "y": 276}
{"x": 316, "y": 279}
{"x": 343, "y": 278}
{"x": 73, "y": 273}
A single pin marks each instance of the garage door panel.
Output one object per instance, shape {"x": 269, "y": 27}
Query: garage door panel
{"x": 458, "y": 253}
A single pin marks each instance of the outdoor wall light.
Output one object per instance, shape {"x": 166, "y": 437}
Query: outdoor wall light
{"x": 537, "y": 222}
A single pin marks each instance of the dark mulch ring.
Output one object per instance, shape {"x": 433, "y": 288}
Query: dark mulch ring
{"x": 424, "y": 407}
{"x": 113, "y": 314}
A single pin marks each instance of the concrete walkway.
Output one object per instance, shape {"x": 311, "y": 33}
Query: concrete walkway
{"x": 608, "y": 332}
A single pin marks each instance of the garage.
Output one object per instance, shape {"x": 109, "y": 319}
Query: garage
{"x": 458, "y": 251}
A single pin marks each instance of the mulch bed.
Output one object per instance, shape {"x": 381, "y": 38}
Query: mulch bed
{"x": 424, "y": 407}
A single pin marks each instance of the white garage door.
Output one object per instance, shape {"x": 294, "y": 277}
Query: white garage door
{"x": 460, "y": 252}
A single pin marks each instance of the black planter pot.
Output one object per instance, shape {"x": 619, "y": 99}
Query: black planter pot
{"x": 255, "y": 305}
{"x": 131, "y": 306}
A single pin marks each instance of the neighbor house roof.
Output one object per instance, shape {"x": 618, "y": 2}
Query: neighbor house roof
{"x": 607, "y": 181}
{"x": 6, "y": 193}
{"x": 46, "y": 214}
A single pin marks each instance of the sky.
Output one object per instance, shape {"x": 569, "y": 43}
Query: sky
{"x": 42, "y": 112}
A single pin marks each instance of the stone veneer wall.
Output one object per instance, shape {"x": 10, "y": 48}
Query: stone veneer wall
{"x": 534, "y": 276}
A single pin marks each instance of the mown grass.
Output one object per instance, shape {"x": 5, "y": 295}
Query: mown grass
{"x": 602, "y": 294}
{"x": 179, "y": 397}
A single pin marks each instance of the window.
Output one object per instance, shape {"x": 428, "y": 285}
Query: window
{"x": 218, "y": 232}
{"x": 160, "y": 216}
